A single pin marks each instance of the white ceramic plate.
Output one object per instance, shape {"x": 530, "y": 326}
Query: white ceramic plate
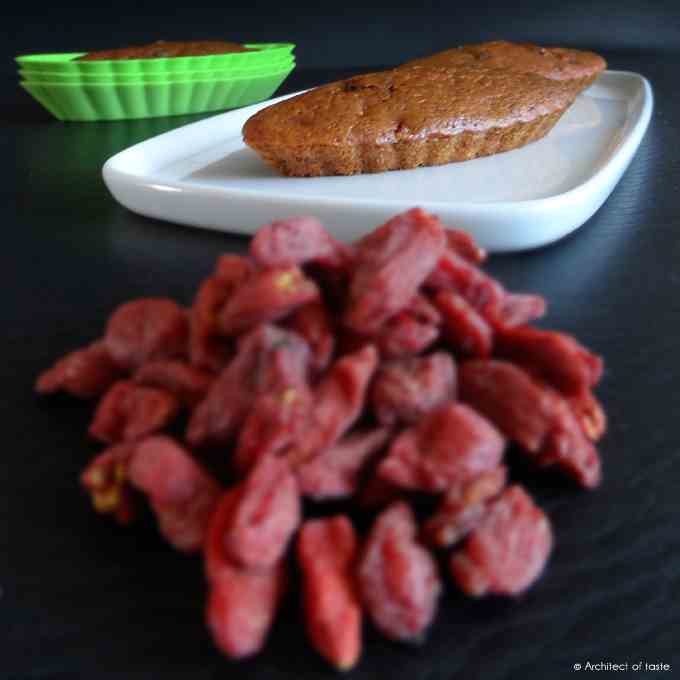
{"x": 204, "y": 176}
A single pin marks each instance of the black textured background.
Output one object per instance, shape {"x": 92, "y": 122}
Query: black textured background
{"x": 81, "y": 598}
{"x": 340, "y": 34}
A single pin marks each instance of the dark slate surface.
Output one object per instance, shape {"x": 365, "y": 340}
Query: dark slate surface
{"x": 84, "y": 599}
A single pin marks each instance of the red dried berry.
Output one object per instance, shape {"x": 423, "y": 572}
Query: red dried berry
{"x": 423, "y": 310}
{"x": 391, "y": 264}
{"x": 276, "y": 421}
{"x": 463, "y": 507}
{"x": 105, "y": 479}
{"x": 516, "y": 309}
{"x": 477, "y": 288}
{"x": 241, "y": 607}
{"x": 335, "y": 472}
{"x": 314, "y": 324}
{"x": 448, "y": 445}
{"x": 567, "y": 446}
{"x": 461, "y": 243}
{"x": 208, "y": 348}
{"x": 327, "y": 552}
{"x": 533, "y": 415}
{"x": 188, "y": 383}
{"x": 268, "y": 359}
{"x": 129, "y": 411}
{"x": 297, "y": 241}
{"x": 398, "y": 578}
{"x": 555, "y": 357}
{"x": 590, "y": 414}
{"x": 233, "y": 269}
{"x": 338, "y": 402}
{"x": 215, "y": 557}
{"x": 507, "y": 396}
{"x": 182, "y": 494}
{"x": 267, "y": 296}
{"x": 85, "y": 373}
{"x": 242, "y": 602}
{"x": 264, "y": 516}
{"x": 404, "y": 335}
{"x": 146, "y": 329}
{"x": 405, "y": 390}
{"x": 507, "y": 551}
{"x": 465, "y": 330}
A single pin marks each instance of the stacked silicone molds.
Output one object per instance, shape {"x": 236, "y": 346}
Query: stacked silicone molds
{"x": 145, "y": 88}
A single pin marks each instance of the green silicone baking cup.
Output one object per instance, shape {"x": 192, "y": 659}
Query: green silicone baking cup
{"x": 88, "y": 102}
{"x": 45, "y": 77}
{"x": 63, "y": 63}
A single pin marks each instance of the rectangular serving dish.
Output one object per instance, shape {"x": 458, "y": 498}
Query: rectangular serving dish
{"x": 203, "y": 175}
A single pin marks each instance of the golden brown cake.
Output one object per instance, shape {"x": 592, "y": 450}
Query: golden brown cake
{"x": 161, "y": 48}
{"x": 557, "y": 63}
{"x": 406, "y": 118}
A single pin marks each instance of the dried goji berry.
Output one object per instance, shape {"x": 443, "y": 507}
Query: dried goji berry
{"x": 188, "y": 383}
{"x": 338, "y": 402}
{"x": 422, "y": 309}
{"x": 589, "y": 413}
{"x": 555, "y": 357}
{"x": 398, "y": 578}
{"x": 461, "y": 243}
{"x": 404, "y": 335}
{"x": 314, "y": 324}
{"x": 241, "y": 607}
{"x": 146, "y": 329}
{"x": 405, "y": 390}
{"x": 85, "y": 373}
{"x": 129, "y": 411}
{"x": 411, "y": 331}
{"x": 242, "y": 602}
{"x": 268, "y": 359}
{"x": 105, "y": 479}
{"x": 266, "y": 296}
{"x": 533, "y": 415}
{"x": 507, "y": 551}
{"x": 334, "y": 473}
{"x": 327, "y": 551}
{"x": 208, "y": 348}
{"x": 391, "y": 264}
{"x": 516, "y": 309}
{"x": 264, "y": 515}
{"x": 215, "y": 556}
{"x": 448, "y": 445}
{"x": 182, "y": 494}
{"x": 465, "y": 330}
{"x": 276, "y": 421}
{"x": 477, "y": 288}
{"x": 297, "y": 241}
{"x": 567, "y": 446}
{"x": 507, "y": 395}
{"x": 233, "y": 269}
{"x": 463, "y": 507}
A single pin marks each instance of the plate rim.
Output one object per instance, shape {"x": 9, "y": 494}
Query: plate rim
{"x": 111, "y": 169}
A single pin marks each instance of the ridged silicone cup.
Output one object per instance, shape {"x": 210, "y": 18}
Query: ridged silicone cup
{"x": 89, "y": 102}
{"x": 77, "y": 78}
{"x": 64, "y": 63}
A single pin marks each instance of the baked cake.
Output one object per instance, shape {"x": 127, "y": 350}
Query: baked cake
{"x": 161, "y": 48}
{"x": 405, "y": 118}
{"x": 557, "y": 63}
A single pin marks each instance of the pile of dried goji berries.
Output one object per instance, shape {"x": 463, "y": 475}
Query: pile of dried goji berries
{"x": 312, "y": 369}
